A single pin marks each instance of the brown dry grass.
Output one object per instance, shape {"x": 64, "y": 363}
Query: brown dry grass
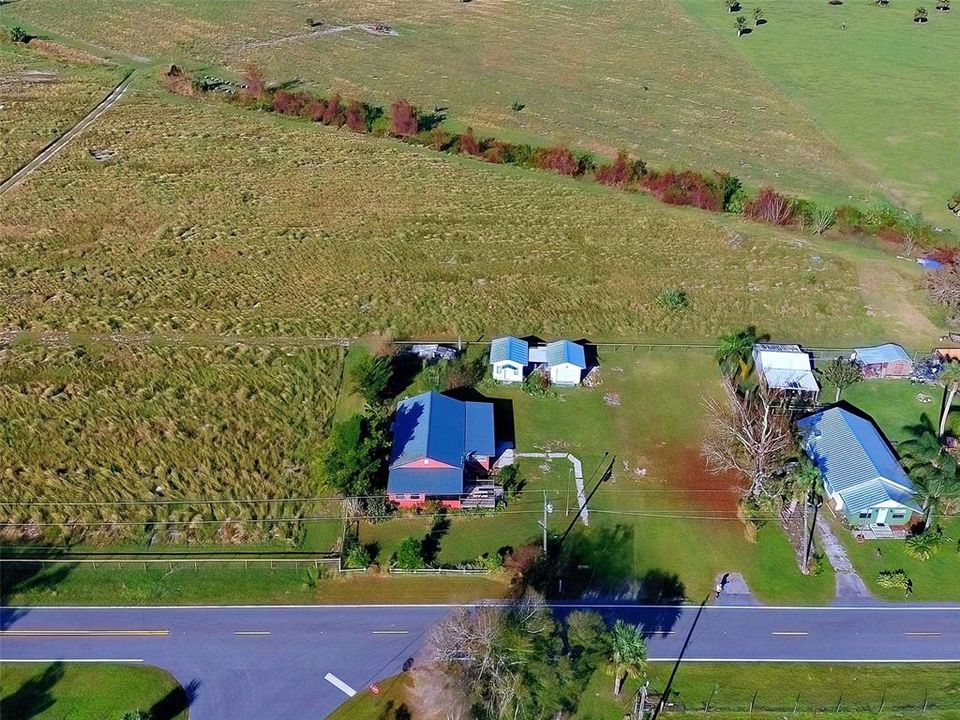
{"x": 211, "y": 218}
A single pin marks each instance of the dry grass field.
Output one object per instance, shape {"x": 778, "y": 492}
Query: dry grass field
{"x": 44, "y": 89}
{"x": 215, "y": 219}
{"x": 644, "y": 76}
{"x": 115, "y": 423}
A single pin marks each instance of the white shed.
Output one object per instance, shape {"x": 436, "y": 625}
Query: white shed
{"x": 509, "y": 357}
{"x": 566, "y": 362}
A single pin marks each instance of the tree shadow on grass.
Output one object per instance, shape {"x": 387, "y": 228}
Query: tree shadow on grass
{"x": 21, "y": 577}
{"x": 431, "y": 543}
{"x": 33, "y": 697}
{"x": 175, "y": 702}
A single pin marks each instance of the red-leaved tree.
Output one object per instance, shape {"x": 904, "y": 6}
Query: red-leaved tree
{"x": 403, "y": 119}
{"x": 622, "y": 171}
{"x": 333, "y": 113}
{"x": 770, "y": 206}
{"x": 356, "y": 116}
{"x": 686, "y": 187}
{"x": 314, "y": 109}
{"x": 253, "y": 83}
{"x": 468, "y": 144}
{"x": 288, "y": 103}
{"x": 558, "y": 159}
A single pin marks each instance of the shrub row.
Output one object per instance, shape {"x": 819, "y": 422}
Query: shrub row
{"x": 714, "y": 192}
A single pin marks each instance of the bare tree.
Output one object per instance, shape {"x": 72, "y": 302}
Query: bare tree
{"x": 747, "y": 435}
{"x": 479, "y": 655}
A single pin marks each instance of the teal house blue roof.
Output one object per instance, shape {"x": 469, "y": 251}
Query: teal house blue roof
{"x": 856, "y": 462}
{"x": 435, "y": 427}
{"x": 564, "y": 351}
{"x": 509, "y": 349}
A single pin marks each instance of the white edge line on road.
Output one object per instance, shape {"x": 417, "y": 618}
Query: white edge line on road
{"x": 251, "y": 632}
{"x": 340, "y": 684}
{"x": 859, "y": 661}
{"x": 71, "y": 660}
{"x": 389, "y": 632}
{"x": 557, "y": 606}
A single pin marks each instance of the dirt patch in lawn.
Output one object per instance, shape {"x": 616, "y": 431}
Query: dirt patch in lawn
{"x": 697, "y": 487}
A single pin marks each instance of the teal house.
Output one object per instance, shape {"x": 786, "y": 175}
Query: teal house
{"x": 862, "y": 476}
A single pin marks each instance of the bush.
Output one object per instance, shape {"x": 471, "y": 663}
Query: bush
{"x": 372, "y": 376}
{"x": 623, "y": 171}
{"x": 895, "y": 579}
{"x": 357, "y": 557}
{"x": 686, "y": 187}
{"x": 925, "y": 545}
{"x": 403, "y": 119}
{"x": 675, "y": 299}
{"x": 409, "y": 554}
{"x": 333, "y": 112}
{"x": 19, "y": 35}
{"x": 253, "y": 83}
{"x": 287, "y": 103}
{"x": 467, "y": 144}
{"x": 536, "y": 383}
{"x": 770, "y": 206}
{"x": 314, "y": 110}
{"x": 356, "y": 117}
{"x": 558, "y": 159}
{"x": 464, "y": 372}
{"x": 849, "y": 220}
{"x": 730, "y": 187}
{"x": 738, "y": 201}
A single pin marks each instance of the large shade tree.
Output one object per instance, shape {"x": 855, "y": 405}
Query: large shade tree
{"x": 841, "y": 373}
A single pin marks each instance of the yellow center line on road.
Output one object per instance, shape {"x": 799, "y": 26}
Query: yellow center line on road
{"x": 251, "y": 632}
{"x": 790, "y": 633}
{"x": 390, "y": 632}
{"x": 923, "y": 634}
{"x": 84, "y": 633}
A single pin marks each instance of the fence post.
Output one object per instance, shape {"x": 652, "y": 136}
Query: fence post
{"x": 926, "y": 698}
{"x": 706, "y": 707}
{"x": 796, "y": 705}
{"x": 883, "y": 699}
{"x": 753, "y": 701}
{"x": 839, "y": 702}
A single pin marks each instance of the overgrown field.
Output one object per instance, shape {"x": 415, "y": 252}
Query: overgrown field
{"x": 641, "y": 76}
{"x": 44, "y": 89}
{"x": 872, "y": 79}
{"x": 215, "y": 219}
{"x": 113, "y": 426}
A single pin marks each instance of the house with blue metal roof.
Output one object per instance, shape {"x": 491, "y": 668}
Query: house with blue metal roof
{"x": 884, "y": 361}
{"x": 509, "y": 357}
{"x": 513, "y": 359}
{"x": 439, "y": 444}
{"x": 862, "y": 476}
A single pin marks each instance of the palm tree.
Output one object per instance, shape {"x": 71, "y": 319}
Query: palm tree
{"x": 757, "y": 16}
{"x": 950, "y": 377}
{"x": 920, "y": 15}
{"x": 628, "y": 653}
{"x": 933, "y": 471}
{"x": 808, "y": 480}
{"x": 735, "y": 352}
{"x": 741, "y": 24}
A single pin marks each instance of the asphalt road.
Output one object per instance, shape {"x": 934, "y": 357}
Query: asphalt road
{"x": 258, "y": 662}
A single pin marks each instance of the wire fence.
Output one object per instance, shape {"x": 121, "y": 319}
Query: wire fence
{"x": 820, "y": 703}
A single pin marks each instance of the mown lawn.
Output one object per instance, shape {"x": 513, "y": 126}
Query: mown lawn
{"x": 837, "y": 60}
{"x": 896, "y": 407}
{"x": 87, "y": 691}
{"x": 661, "y": 515}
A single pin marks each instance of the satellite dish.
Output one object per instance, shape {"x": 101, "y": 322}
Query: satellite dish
{"x": 549, "y": 507}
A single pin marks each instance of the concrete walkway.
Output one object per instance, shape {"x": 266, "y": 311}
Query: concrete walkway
{"x": 577, "y": 476}
{"x": 849, "y": 585}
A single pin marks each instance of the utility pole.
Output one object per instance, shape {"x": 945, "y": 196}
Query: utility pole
{"x": 547, "y": 508}
{"x": 640, "y": 701}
